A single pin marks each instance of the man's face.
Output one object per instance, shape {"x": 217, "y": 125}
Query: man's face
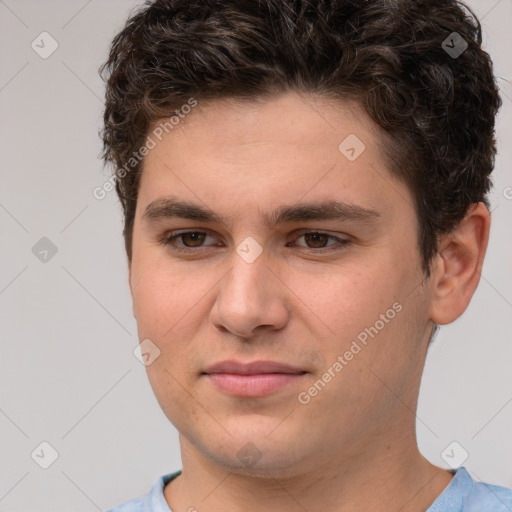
{"x": 346, "y": 306}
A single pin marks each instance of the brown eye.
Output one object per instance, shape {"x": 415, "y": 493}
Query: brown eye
{"x": 318, "y": 240}
{"x": 196, "y": 238}
{"x": 186, "y": 241}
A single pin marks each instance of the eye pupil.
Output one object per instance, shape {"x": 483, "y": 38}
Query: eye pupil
{"x": 186, "y": 241}
{"x": 315, "y": 236}
{"x": 194, "y": 236}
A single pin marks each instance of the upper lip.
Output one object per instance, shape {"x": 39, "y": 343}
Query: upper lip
{"x": 252, "y": 368}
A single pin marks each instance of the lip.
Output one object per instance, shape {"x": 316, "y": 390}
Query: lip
{"x": 252, "y": 368}
{"x": 257, "y": 378}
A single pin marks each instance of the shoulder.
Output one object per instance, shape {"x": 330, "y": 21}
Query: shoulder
{"x": 488, "y": 497}
{"x": 153, "y": 501}
{"x": 464, "y": 494}
{"x": 136, "y": 505}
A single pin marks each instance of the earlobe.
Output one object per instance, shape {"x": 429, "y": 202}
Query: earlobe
{"x": 458, "y": 265}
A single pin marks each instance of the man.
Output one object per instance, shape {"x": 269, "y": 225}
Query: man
{"x": 304, "y": 189}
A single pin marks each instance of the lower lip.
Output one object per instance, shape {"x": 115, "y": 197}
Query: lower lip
{"x": 252, "y": 385}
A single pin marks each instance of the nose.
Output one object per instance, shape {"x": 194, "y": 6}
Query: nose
{"x": 250, "y": 297}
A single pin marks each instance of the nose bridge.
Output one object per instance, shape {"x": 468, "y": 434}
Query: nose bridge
{"x": 249, "y": 296}
{"x": 245, "y": 284}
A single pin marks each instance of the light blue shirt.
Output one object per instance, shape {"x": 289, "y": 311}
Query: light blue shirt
{"x": 462, "y": 494}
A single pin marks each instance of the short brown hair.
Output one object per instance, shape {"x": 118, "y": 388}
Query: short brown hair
{"x": 437, "y": 108}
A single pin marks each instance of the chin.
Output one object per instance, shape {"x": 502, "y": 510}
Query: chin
{"x": 258, "y": 454}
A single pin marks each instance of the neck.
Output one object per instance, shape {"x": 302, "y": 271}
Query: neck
{"x": 382, "y": 477}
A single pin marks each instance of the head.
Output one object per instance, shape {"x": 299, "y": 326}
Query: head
{"x": 330, "y": 162}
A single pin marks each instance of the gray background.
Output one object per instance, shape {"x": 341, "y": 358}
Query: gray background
{"x": 68, "y": 375}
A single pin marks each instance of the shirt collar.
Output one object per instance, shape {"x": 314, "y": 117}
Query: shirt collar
{"x": 450, "y": 500}
{"x": 452, "y": 497}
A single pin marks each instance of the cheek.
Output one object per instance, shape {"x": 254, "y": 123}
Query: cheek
{"x": 173, "y": 391}
{"x": 365, "y": 315}
{"x": 171, "y": 307}
{"x": 161, "y": 295}
{"x": 343, "y": 301}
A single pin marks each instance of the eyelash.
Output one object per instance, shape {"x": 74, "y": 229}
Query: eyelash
{"x": 168, "y": 239}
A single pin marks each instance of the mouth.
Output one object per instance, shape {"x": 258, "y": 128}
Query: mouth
{"x": 258, "y": 378}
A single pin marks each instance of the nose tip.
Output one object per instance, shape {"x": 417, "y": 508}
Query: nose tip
{"x": 249, "y": 298}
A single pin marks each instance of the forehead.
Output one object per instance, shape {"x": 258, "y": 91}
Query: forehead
{"x": 234, "y": 154}
{"x": 284, "y": 119}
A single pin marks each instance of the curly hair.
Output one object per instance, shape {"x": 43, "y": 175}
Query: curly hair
{"x": 437, "y": 108}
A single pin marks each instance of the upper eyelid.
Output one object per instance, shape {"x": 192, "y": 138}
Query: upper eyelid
{"x": 296, "y": 233}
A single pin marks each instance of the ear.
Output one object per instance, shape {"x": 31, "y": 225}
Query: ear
{"x": 457, "y": 267}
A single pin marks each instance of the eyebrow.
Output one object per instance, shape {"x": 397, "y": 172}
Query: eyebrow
{"x": 172, "y": 207}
